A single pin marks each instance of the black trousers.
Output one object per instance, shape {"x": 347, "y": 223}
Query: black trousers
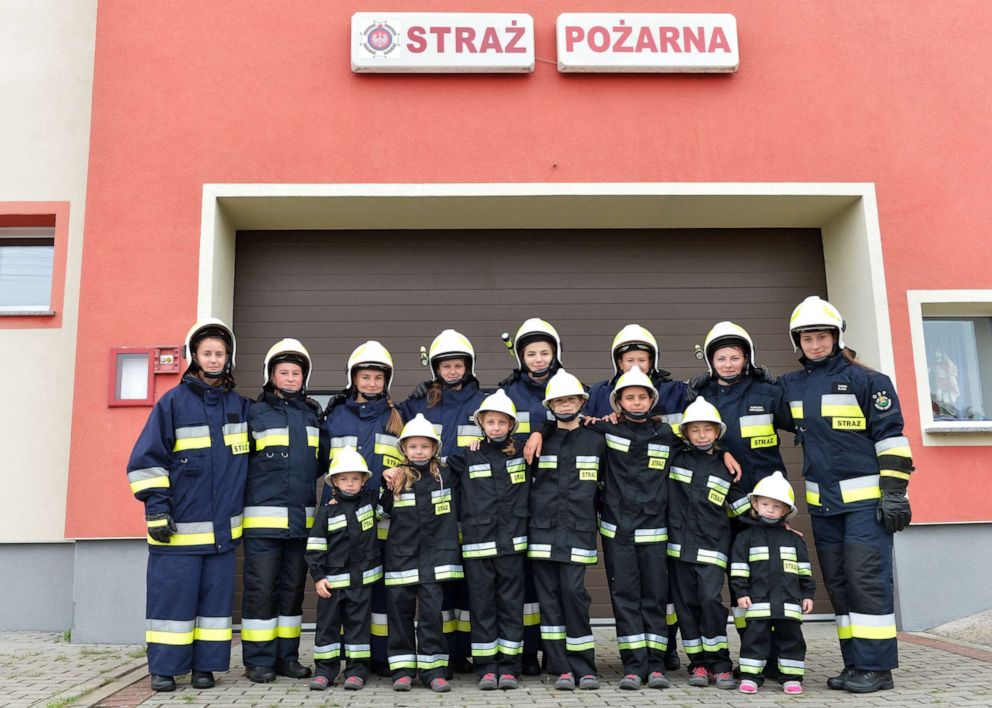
{"x": 351, "y": 609}
{"x": 756, "y": 649}
{"x": 419, "y": 646}
{"x": 496, "y": 594}
{"x": 275, "y": 576}
{"x": 569, "y": 645}
{"x": 638, "y": 579}
{"x": 702, "y": 615}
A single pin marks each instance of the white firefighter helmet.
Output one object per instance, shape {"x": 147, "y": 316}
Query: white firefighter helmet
{"x": 633, "y": 337}
{"x": 347, "y": 459}
{"x": 498, "y": 402}
{"x": 209, "y": 327}
{"x": 728, "y": 334}
{"x": 813, "y": 314}
{"x": 420, "y": 427}
{"x": 634, "y": 377}
{"x": 563, "y": 384}
{"x": 370, "y": 355}
{"x": 535, "y": 330}
{"x": 702, "y": 411}
{"x": 775, "y": 486}
{"x": 291, "y": 350}
{"x": 451, "y": 344}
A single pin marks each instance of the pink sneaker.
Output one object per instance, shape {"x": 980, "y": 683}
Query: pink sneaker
{"x": 699, "y": 676}
{"x": 748, "y": 686}
{"x": 793, "y": 688}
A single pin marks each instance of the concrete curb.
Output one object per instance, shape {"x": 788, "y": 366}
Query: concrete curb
{"x": 954, "y": 646}
{"x": 91, "y": 693}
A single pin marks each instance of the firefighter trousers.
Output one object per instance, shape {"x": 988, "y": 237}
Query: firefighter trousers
{"x": 422, "y": 647}
{"x": 275, "y": 576}
{"x": 188, "y": 612}
{"x": 351, "y": 609}
{"x": 855, "y": 554}
{"x": 496, "y": 595}
{"x": 532, "y": 613}
{"x": 457, "y": 619}
{"x": 638, "y": 579}
{"x": 569, "y": 645}
{"x": 702, "y": 615}
{"x": 785, "y": 636}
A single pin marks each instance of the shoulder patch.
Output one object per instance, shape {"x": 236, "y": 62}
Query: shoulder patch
{"x": 882, "y": 400}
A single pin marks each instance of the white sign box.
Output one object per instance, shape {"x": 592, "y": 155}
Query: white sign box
{"x": 640, "y": 42}
{"x": 441, "y": 42}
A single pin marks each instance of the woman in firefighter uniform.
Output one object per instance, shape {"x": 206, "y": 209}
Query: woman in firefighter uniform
{"x": 752, "y": 407}
{"x": 449, "y": 401}
{"x": 636, "y": 346}
{"x": 188, "y": 467}
{"x": 857, "y": 464}
{"x": 363, "y": 416}
{"x": 492, "y": 507}
{"x": 562, "y": 534}
{"x": 280, "y": 502}
{"x": 422, "y": 552}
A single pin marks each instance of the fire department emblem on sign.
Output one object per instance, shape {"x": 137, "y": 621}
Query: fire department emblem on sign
{"x": 381, "y": 39}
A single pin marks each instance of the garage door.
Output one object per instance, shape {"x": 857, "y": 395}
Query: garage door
{"x": 334, "y": 289}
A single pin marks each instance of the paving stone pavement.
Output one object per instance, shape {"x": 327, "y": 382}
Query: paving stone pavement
{"x": 43, "y": 669}
{"x": 40, "y": 669}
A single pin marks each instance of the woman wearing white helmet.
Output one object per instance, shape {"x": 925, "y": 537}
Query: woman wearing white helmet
{"x": 188, "y": 467}
{"x": 280, "y": 502}
{"x": 857, "y": 464}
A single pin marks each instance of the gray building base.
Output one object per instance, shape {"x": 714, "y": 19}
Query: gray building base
{"x": 36, "y": 592}
{"x": 108, "y": 591}
{"x": 942, "y": 573}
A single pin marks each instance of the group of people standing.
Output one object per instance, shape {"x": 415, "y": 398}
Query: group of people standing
{"x": 478, "y": 512}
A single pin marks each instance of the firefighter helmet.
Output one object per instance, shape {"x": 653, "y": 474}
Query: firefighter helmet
{"x": 419, "y": 427}
{"x": 451, "y": 344}
{"x": 291, "y": 350}
{"x": 702, "y": 411}
{"x": 728, "y": 334}
{"x": 634, "y": 337}
{"x": 634, "y": 377}
{"x": 370, "y": 355}
{"x": 563, "y": 384}
{"x": 816, "y": 314}
{"x": 536, "y": 330}
{"x": 775, "y": 486}
{"x": 210, "y": 327}
{"x": 498, "y": 402}
{"x": 347, "y": 459}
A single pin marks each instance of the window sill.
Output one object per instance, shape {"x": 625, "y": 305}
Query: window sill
{"x": 27, "y": 313}
{"x": 965, "y": 426}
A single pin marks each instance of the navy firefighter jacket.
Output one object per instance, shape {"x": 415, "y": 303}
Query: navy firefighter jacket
{"x": 363, "y": 427}
{"x": 191, "y": 461}
{"x": 452, "y": 417}
{"x": 671, "y": 398}
{"x": 528, "y": 397}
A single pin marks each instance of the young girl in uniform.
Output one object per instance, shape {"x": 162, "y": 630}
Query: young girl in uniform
{"x": 188, "y": 468}
{"x": 421, "y": 553}
{"x": 492, "y": 505}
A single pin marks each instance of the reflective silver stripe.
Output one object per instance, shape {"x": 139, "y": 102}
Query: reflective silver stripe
{"x": 883, "y": 446}
{"x": 792, "y": 607}
{"x": 873, "y": 620}
{"x": 372, "y": 572}
{"x": 339, "y": 578}
{"x": 443, "y": 569}
{"x": 617, "y": 442}
{"x": 531, "y": 608}
{"x": 431, "y": 658}
{"x": 717, "y": 483}
{"x": 268, "y": 511}
{"x": 607, "y": 526}
{"x": 586, "y": 552}
{"x": 290, "y": 620}
{"x": 519, "y": 541}
{"x": 470, "y": 430}
{"x": 147, "y": 473}
{"x": 787, "y": 552}
{"x": 397, "y": 658}
{"x": 753, "y": 421}
{"x": 839, "y": 399}
{"x": 480, "y": 468}
{"x": 195, "y": 431}
{"x": 711, "y": 641}
{"x": 195, "y": 527}
{"x": 383, "y": 439}
{"x": 579, "y": 640}
{"x": 792, "y": 663}
{"x": 672, "y": 418}
{"x": 483, "y": 646}
{"x": 259, "y": 623}
{"x": 438, "y": 428}
{"x": 550, "y": 460}
{"x": 680, "y": 474}
{"x": 345, "y": 441}
{"x": 475, "y": 547}
{"x": 653, "y": 533}
{"x": 171, "y": 626}
{"x": 316, "y": 544}
{"x": 586, "y": 460}
{"x": 237, "y": 521}
{"x": 866, "y": 482}
{"x": 439, "y": 494}
{"x": 231, "y": 428}
{"x": 312, "y": 431}
{"x": 363, "y": 511}
{"x": 379, "y": 619}
{"x": 349, "y": 648}
{"x": 654, "y": 447}
{"x": 796, "y": 407}
{"x": 403, "y": 575}
{"x": 326, "y": 648}
{"x": 756, "y": 663}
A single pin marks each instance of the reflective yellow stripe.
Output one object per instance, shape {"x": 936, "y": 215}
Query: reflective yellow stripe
{"x": 287, "y": 632}
{"x": 156, "y": 482}
{"x": 191, "y": 444}
{"x": 258, "y": 635}
{"x": 236, "y": 439}
{"x": 840, "y": 410}
{"x": 186, "y": 539}
{"x": 466, "y": 440}
{"x": 860, "y": 489}
{"x": 813, "y": 493}
{"x": 894, "y": 473}
{"x": 272, "y": 441}
{"x": 203, "y": 634}
{"x": 268, "y": 522}
{"x": 796, "y": 408}
{"x": 173, "y": 638}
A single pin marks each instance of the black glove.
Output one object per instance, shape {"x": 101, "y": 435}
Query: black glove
{"x": 761, "y": 373}
{"x": 893, "y": 511}
{"x": 422, "y": 388}
{"x": 698, "y": 383}
{"x": 159, "y": 531}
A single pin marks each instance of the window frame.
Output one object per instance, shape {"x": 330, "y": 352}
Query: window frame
{"x": 53, "y": 215}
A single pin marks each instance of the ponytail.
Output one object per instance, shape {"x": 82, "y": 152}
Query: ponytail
{"x": 510, "y": 448}
{"x": 434, "y": 394}
{"x": 395, "y": 424}
{"x": 852, "y": 358}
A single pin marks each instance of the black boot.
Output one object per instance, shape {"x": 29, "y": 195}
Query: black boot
{"x": 163, "y": 683}
{"x": 293, "y": 669}
{"x": 460, "y": 665}
{"x": 529, "y": 665}
{"x": 839, "y": 682}
{"x": 870, "y": 681}
{"x": 672, "y": 662}
{"x": 202, "y": 679}
{"x": 260, "y": 674}
{"x": 381, "y": 668}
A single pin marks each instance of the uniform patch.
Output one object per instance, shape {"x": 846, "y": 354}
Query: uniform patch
{"x": 756, "y": 409}
{"x": 841, "y": 387}
{"x": 882, "y": 400}
{"x": 587, "y": 475}
{"x": 716, "y": 497}
{"x": 442, "y": 508}
{"x": 367, "y": 524}
{"x": 242, "y": 448}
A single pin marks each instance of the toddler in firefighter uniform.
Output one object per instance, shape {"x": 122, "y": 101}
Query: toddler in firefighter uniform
{"x": 772, "y": 579}
{"x": 188, "y": 467}
{"x": 493, "y": 486}
{"x": 701, "y": 494}
{"x": 562, "y": 533}
{"x": 343, "y": 558}
{"x": 279, "y": 510}
{"x": 422, "y": 552}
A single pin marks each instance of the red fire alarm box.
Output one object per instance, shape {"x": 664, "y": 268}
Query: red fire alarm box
{"x": 165, "y": 359}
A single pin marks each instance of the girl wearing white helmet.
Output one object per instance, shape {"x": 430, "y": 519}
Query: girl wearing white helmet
{"x": 857, "y": 464}
{"x": 772, "y": 579}
{"x": 280, "y": 502}
{"x": 422, "y": 552}
{"x": 188, "y": 468}
{"x": 493, "y": 510}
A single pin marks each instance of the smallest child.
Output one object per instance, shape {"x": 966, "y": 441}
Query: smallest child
{"x": 343, "y": 558}
{"x": 772, "y": 578}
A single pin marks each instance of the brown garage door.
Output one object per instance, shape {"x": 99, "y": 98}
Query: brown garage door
{"x": 334, "y": 289}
